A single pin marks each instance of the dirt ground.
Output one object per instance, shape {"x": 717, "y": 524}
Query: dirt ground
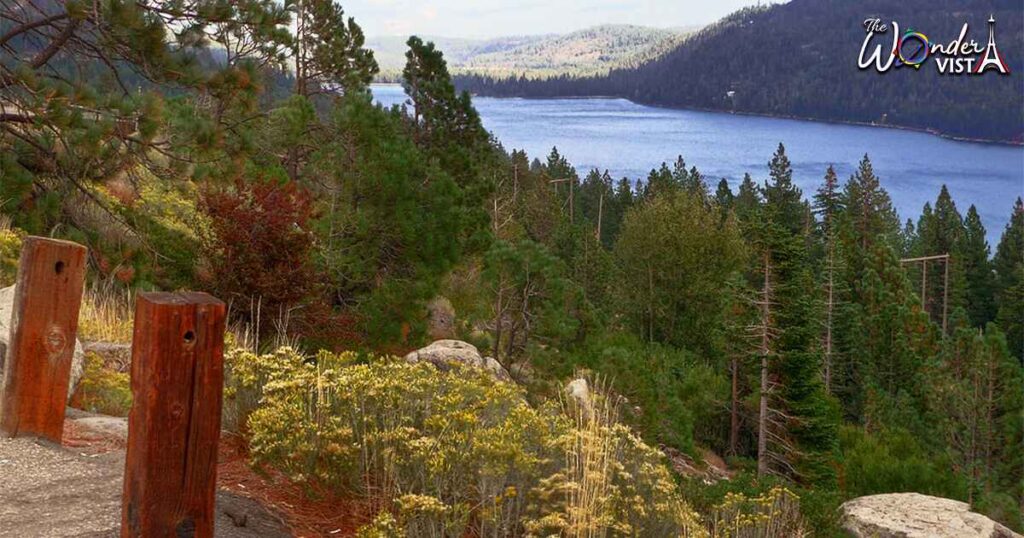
{"x": 75, "y": 490}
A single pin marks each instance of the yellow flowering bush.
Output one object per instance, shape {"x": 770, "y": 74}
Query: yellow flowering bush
{"x": 446, "y": 453}
{"x": 611, "y": 483}
{"x": 103, "y": 390}
{"x": 10, "y": 251}
{"x": 776, "y": 513}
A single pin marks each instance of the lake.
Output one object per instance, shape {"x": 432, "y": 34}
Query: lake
{"x": 629, "y": 140}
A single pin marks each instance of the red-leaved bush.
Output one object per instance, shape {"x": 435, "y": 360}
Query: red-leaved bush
{"x": 260, "y": 244}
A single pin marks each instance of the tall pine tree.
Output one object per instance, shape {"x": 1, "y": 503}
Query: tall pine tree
{"x": 803, "y": 426}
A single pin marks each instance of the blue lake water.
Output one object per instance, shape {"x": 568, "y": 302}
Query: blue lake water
{"x": 629, "y": 140}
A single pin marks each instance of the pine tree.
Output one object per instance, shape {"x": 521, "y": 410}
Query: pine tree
{"x": 908, "y": 238}
{"x": 769, "y": 418}
{"x": 594, "y": 201}
{"x": 805, "y": 417}
{"x": 88, "y": 71}
{"x": 978, "y": 396}
{"x": 941, "y": 231}
{"x": 974, "y": 255}
{"x": 748, "y": 200}
{"x": 662, "y": 239}
{"x": 888, "y": 340}
{"x": 828, "y": 205}
{"x": 1009, "y": 269}
{"x": 387, "y": 267}
{"x": 724, "y": 197}
{"x": 661, "y": 181}
{"x": 328, "y": 50}
{"x": 447, "y": 126}
{"x": 621, "y": 201}
{"x": 869, "y": 216}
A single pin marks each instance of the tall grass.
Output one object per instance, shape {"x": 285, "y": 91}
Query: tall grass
{"x": 589, "y": 460}
{"x": 776, "y": 514}
{"x": 106, "y": 314}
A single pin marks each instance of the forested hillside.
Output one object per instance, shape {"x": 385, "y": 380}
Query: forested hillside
{"x": 800, "y": 59}
{"x": 585, "y": 52}
{"x": 781, "y": 330}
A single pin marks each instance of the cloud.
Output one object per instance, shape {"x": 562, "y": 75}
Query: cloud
{"x": 428, "y": 12}
{"x": 398, "y": 26}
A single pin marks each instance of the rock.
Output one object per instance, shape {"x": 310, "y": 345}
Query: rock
{"x": 117, "y": 357}
{"x": 912, "y": 515}
{"x": 714, "y": 469}
{"x": 6, "y": 310}
{"x": 112, "y": 427}
{"x": 440, "y": 319}
{"x": 579, "y": 391}
{"x": 445, "y": 353}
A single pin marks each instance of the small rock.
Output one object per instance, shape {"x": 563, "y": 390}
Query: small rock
{"x": 579, "y": 391}
{"x": 913, "y": 515}
{"x": 440, "y": 318}
{"x": 6, "y": 311}
{"x": 117, "y": 357}
{"x": 580, "y": 397}
{"x": 445, "y": 353}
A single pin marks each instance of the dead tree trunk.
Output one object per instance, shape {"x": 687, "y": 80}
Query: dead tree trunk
{"x": 734, "y": 413}
{"x": 764, "y": 350}
{"x": 830, "y": 306}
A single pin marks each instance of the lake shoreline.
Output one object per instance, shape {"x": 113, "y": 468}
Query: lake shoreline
{"x": 934, "y": 132}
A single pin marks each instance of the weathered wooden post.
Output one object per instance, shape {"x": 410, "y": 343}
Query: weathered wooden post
{"x": 177, "y": 378}
{"x": 44, "y": 327}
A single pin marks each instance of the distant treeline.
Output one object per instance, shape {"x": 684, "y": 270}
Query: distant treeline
{"x": 800, "y": 59}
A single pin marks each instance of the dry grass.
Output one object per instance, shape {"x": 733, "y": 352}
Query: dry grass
{"x": 589, "y": 463}
{"x": 776, "y": 514}
{"x": 106, "y": 314}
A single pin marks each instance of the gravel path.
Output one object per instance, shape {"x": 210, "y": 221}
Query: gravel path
{"x": 51, "y": 491}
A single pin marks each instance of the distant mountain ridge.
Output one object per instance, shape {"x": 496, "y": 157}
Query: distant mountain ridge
{"x": 591, "y": 51}
{"x": 799, "y": 59}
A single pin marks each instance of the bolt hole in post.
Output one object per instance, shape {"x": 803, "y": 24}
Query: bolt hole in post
{"x": 189, "y": 337}
{"x": 58, "y": 267}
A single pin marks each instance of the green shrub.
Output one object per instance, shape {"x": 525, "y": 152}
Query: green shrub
{"x": 671, "y": 392}
{"x": 744, "y": 506}
{"x": 893, "y": 461}
{"x": 1001, "y": 507}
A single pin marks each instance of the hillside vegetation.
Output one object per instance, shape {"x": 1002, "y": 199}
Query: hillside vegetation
{"x": 775, "y": 327}
{"x": 591, "y": 51}
{"x": 800, "y": 59}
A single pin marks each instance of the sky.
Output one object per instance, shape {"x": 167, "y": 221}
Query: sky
{"x": 493, "y": 18}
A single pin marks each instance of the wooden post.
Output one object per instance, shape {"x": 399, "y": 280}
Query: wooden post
{"x": 945, "y": 294}
{"x": 44, "y": 327}
{"x": 174, "y": 426}
{"x": 924, "y": 284}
